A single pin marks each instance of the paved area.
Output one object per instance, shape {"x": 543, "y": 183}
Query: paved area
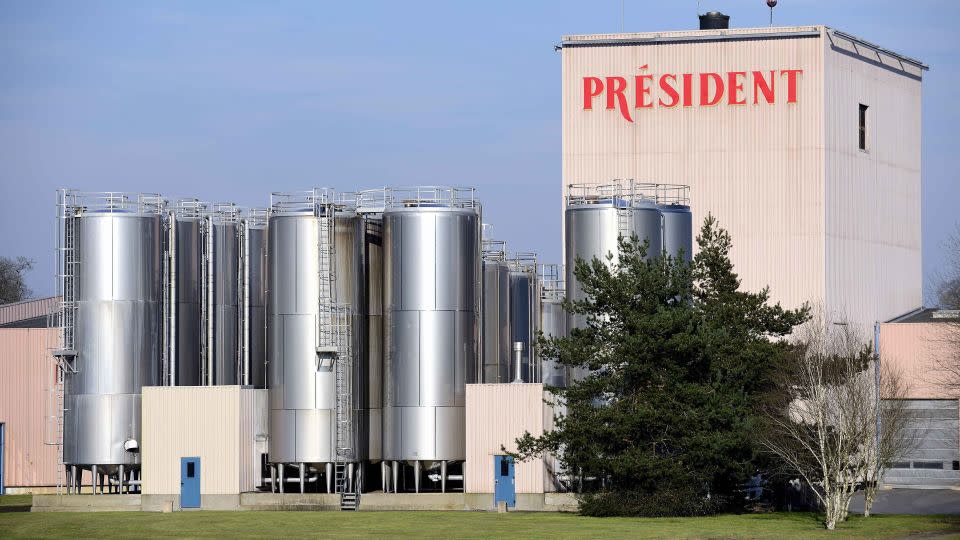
{"x": 912, "y": 501}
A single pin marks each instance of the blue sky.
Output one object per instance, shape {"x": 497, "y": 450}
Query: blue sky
{"x": 227, "y": 101}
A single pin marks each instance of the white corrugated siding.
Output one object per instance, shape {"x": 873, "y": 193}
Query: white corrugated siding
{"x": 27, "y": 373}
{"x": 253, "y": 436}
{"x": 188, "y": 421}
{"x": 873, "y": 243}
{"x": 914, "y": 350}
{"x": 497, "y": 414}
{"x": 798, "y": 220}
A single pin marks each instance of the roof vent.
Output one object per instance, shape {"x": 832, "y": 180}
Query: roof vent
{"x": 714, "y": 20}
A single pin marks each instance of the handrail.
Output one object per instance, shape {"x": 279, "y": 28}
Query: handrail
{"x": 628, "y": 193}
{"x": 372, "y": 200}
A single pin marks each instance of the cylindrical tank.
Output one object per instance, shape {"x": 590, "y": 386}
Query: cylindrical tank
{"x": 553, "y": 321}
{"x": 677, "y": 230}
{"x": 118, "y": 328}
{"x": 222, "y": 295}
{"x": 313, "y": 273}
{"x": 372, "y": 357}
{"x": 525, "y": 313}
{"x": 254, "y": 259}
{"x": 431, "y": 295}
{"x": 495, "y": 310}
{"x": 185, "y": 279}
{"x": 593, "y": 227}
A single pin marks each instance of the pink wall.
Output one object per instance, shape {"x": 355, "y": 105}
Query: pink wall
{"x": 913, "y": 349}
{"x": 26, "y": 372}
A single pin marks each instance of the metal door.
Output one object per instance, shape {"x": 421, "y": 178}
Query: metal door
{"x": 504, "y": 488}
{"x": 2, "y": 426}
{"x": 190, "y": 482}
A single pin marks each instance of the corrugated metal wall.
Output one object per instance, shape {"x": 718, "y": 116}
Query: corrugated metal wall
{"x": 187, "y": 421}
{"x": 497, "y": 414}
{"x": 761, "y": 169}
{"x": 253, "y": 436}
{"x": 26, "y": 373}
{"x": 913, "y": 350}
{"x": 873, "y": 247}
{"x": 28, "y": 309}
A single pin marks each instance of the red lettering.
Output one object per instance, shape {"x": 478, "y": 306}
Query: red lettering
{"x": 705, "y": 88}
{"x": 735, "y": 83}
{"x": 592, "y": 86}
{"x": 688, "y": 89}
{"x": 615, "y": 88}
{"x": 670, "y": 90}
{"x": 791, "y": 83}
{"x": 642, "y": 83}
{"x": 761, "y": 86}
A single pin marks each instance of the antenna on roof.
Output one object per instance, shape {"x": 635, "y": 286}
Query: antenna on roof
{"x": 772, "y": 4}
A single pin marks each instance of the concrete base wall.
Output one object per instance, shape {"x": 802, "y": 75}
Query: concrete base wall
{"x": 526, "y": 502}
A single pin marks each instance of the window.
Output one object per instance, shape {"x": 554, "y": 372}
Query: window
{"x": 900, "y": 465}
{"x": 504, "y": 466}
{"x": 863, "y": 126}
{"x": 190, "y": 470}
{"x": 928, "y": 465}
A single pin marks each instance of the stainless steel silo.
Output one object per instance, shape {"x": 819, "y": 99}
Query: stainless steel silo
{"x": 431, "y": 298}
{"x": 495, "y": 314}
{"x": 595, "y": 218}
{"x": 525, "y": 313}
{"x": 221, "y": 295}
{"x": 253, "y": 257}
{"x": 185, "y": 277}
{"x": 372, "y": 342}
{"x": 112, "y": 285}
{"x": 674, "y": 204}
{"x": 553, "y": 321}
{"x": 314, "y": 313}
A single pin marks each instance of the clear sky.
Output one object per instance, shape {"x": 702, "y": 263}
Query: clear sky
{"x": 230, "y": 100}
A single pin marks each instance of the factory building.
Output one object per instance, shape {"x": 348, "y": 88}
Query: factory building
{"x": 207, "y": 355}
{"x": 804, "y": 142}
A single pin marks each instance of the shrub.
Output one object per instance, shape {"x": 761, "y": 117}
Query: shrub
{"x": 661, "y": 503}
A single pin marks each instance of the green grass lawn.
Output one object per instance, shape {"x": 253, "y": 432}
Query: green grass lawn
{"x": 6, "y": 501}
{"x": 455, "y": 525}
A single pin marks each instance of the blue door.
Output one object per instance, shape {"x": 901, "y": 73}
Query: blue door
{"x": 2, "y": 489}
{"x": 504, "y": 488}
{"x": 190, "y": 482}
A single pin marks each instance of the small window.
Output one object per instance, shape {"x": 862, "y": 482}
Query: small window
{"x": 900, "y": 465}
{"x": 190, "y": 470}
{"x": 504, "y": 466}
{"x": 928, "y": 465}
{"x": 956, "y": 465}
{"x": 863, "y": 126}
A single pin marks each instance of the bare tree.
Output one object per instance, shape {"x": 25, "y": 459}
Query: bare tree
{"x": 890, "y": 433}
{"x": 946, "y": 337}
{"x": 822, "y": 418}
{"x": 13, "y": 288}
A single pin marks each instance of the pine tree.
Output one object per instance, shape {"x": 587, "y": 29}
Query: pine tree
{"x": 678, "y": 357}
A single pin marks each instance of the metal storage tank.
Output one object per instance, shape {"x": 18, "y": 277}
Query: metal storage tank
{"x": 431, "y": 298}
{"x": 674, "y": 204}
{"x": 595, "y": 218}
{"x": 313, "y": 314}
{"x": 253, "y": 253}
{"x": 110, "y": 251}
{"x": 553, "y": 321}
{"x": 372, "y": 341}
{"x": 495, "y": 314}
{"x": 222, "y": 280}
{"x": 524, "y": 314}
{"x": 184, "y": 279}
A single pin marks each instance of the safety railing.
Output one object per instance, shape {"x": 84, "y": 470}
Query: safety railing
{"x": 627, "y": 193}
{"x": 373, "y": 200}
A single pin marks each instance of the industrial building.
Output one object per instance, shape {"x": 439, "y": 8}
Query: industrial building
{"x": 365, "y": 344}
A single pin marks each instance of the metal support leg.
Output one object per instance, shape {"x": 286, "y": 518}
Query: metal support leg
{"x": 416, "y": 476}
{"x": 280, "y": 471}
{"x": 328, "y": 472}
{"x": 396, "y": 469}
{"x": 273, "y": 478}
{"x": 94, "y": 479}
{"x": 350, "y": 478}
{"x": 383, "y": 476}
{"x": 443, "y": 477}
{"x": 303, "y": 471}
{"x": 121, "y": 477}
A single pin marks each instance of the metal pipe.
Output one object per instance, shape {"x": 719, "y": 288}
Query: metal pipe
{"x": 211, "y": 377}
{"x": 172, "y": 273}
{"x": 245, "y": 254}
{"x": 518, "y": 361}
{"x": 455, "y": 477}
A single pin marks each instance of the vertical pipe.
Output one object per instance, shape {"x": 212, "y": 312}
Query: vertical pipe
{"x": 245, "y": 254}
{"x": 208, "y": 282}
{"x": 518, "y": 361}
{"x": 416, "y": 476}
{"x": 443, "y": 477}
{"x": 172, "y": 288}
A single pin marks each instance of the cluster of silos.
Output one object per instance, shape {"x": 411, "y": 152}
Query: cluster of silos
{"x": 151, "y": 296}
{"x": 597, "y": 216}
{"x": 553, "y": 322}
